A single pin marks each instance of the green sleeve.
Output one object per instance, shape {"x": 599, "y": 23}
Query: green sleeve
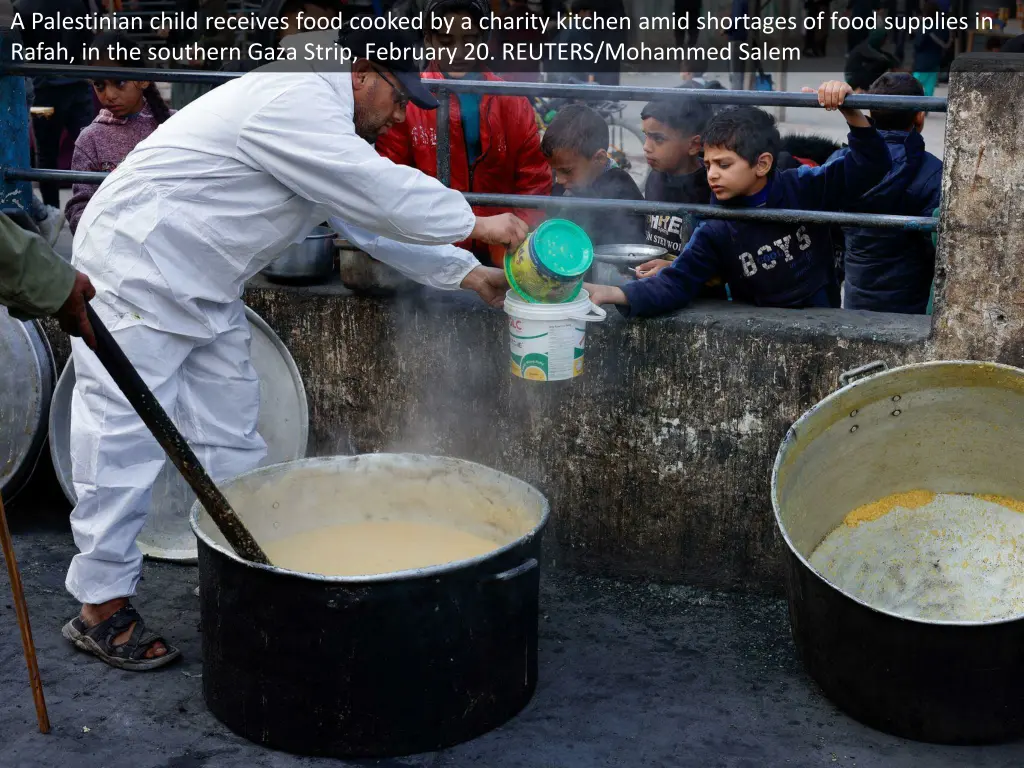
{"x": 34, "y": 281}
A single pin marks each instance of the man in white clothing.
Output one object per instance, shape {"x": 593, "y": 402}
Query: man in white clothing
{"x": 169, "y": 240}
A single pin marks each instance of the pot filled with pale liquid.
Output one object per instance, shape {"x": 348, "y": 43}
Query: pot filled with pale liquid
{"x": 399, "y": 615}
{"x": 900, "y": 499}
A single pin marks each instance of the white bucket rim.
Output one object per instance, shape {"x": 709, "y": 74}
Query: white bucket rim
{"x": 581, "y": 308}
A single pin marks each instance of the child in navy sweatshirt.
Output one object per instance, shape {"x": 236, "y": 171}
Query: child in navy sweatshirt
{"x": 766, "y": 264}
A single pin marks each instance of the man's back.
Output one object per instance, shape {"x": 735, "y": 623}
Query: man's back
{"x": 892, "y": 270}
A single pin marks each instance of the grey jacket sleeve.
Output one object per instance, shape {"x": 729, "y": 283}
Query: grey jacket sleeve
{"x": 34, "y": 281}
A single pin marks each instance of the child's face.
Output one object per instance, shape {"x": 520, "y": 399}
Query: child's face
{"x": 458, "y": 46}
{"x": 576, "y": 171}
{"x": 667, "y": 149}
{"x": 120, "y": 97}
{"x": 730, "y": 176}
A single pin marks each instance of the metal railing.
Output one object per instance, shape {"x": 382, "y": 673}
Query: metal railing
{"x": 584, "y": 92}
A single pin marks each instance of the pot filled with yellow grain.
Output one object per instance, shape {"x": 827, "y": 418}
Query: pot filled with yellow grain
{"x": 900, "y": 499}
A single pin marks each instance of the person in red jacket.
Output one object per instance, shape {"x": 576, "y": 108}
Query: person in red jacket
{"x": 495, "y": 145}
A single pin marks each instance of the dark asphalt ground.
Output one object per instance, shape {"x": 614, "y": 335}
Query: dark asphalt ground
{"x": 631, "y": 675}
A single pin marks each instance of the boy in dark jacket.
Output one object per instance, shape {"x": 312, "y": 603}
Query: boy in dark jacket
{"x": 766, "y": 264}
{"x": 891, "y": 270}
{"x": 672, "y": 145}
{"x": 576, "y": 146}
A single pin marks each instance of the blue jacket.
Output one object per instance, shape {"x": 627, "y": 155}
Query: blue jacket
{"x": 769, "y": 264}
{"x": 890, "y": 270}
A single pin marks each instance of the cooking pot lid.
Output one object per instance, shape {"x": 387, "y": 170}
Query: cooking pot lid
{"x": 26, "y": 386}
{"x": 283, "y": 424}
{"x": 625, "y": 254}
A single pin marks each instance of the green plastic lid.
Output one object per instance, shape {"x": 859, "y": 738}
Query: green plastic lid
{"x": 563, "y": 248}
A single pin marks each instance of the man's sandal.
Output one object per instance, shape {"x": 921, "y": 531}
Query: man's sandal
{"x": 130, "y": 655}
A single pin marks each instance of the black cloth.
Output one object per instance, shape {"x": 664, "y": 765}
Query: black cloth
{"x": 672, "y": 232}
{"x": 605, "y": 227}
{"x": 73, "y": 110}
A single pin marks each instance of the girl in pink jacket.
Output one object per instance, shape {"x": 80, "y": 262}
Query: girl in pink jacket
{"x": 132, "y": 110}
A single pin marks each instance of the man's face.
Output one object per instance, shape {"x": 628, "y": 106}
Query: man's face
{"x": 460, "y": 43}
{"x": 667, "y": 149}
{"x": 730, "y": 176}
{"x": 576, "y": 171}
{"x": 379, "y": 101}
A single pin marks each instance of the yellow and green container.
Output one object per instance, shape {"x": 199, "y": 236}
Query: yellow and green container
{"x": 549, "y": 265}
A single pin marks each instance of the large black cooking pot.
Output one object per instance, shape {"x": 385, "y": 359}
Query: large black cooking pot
{"x": 948, "y": 427}
{"x": 382, "y": 665}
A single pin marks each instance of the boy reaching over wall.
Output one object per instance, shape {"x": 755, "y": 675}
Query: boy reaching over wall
{"x": 766, "y": 264}
{"x": 495, "y": 145}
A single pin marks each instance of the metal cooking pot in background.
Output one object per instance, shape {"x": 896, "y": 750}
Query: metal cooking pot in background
{"x": 380, "y": 665}
{"x": 947, "y": 427}
{"x": 362, "y": 273}
{"x": 614, "y": 264}
{"x": 310, "y": 262}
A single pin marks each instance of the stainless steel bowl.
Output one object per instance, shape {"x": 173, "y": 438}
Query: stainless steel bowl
{"x": 616, "y": 264}
{"x": 310, "y": 262}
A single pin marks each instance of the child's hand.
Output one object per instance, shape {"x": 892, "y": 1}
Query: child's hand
{"x": 605, "y": 294}
{"x": 652, "y": 267}
{"x": 832, "y": 95}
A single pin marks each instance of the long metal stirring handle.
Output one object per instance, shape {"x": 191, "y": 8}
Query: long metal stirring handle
{"x": 171, "y": 440}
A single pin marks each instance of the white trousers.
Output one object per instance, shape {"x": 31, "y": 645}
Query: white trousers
{"x": 211, "y": 392}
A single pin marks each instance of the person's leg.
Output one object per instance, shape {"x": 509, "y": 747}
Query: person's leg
{"x": 219, "y": 402}
{"x": 737, "y": 68}
{"x": 114, "y": 462}
{"x": 48, "y": 131}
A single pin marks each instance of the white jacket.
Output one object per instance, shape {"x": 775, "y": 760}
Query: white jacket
{"x": 227, "y": 183}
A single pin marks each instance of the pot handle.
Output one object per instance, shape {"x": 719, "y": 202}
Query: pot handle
{"x": 512, "y": 573}
{"x": 595, "y": 314}
{"x": 876, "y": 366}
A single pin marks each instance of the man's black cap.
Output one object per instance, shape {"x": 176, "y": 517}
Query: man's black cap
{"x": 392, "y": 50}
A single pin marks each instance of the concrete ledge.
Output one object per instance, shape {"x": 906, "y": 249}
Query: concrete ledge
{"x": 656, "y": 460}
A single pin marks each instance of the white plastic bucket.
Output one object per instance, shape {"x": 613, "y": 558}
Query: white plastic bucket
{"x": 546, "y": 341}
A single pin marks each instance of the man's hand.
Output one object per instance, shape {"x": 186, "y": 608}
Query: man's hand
{"x": 652, "y": 267}
{"x": 832, "y": 94}
{"x": 71, "y": 315}
{"x": 488, "y": 283}
{"x": 503, "y": 229}
{"x": 606, "y": 294}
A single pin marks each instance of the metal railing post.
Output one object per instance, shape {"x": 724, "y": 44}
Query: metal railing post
{"x": 444, "y": 138}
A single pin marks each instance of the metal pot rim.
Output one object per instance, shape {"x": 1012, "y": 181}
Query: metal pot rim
{"x": 791, "y": 436}
{"x": 407, "y": 575}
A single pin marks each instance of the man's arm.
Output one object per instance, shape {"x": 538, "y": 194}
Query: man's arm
{"x": 843, "y": 179}
{"x": 36, "y": 282}
{"x": 671, "y": 288}
{"x": 439, "y": 266}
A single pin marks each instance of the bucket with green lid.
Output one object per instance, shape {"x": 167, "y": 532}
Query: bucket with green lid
{"x": 548, "y": 266}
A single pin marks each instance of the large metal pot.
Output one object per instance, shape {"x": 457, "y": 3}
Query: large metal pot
{"x": 616, "y": 264}
{"x": 26, "y": 386}
{"x": 382, "y": 665}
{"x": 310, "y": 262}
{"x": 361, "y": 273}
{"x": 949, "y": 427}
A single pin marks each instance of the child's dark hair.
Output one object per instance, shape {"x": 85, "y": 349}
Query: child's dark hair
{"x": 895, "y": 84}
{"x": 577, "y": 128}
{"x": 688, "y": 116}
{"x": 475, "y": 8}
{"x": 747, "y": 131}
{"x": 132, "y": 53}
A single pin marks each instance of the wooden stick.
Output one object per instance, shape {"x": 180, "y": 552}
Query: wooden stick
{"x": 26, "y": 630}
